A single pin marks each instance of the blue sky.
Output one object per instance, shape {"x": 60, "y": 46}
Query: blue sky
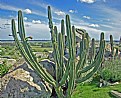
{"x": 95, "y": 16}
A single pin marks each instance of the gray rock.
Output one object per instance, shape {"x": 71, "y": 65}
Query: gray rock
{"x": 49, "y": 66}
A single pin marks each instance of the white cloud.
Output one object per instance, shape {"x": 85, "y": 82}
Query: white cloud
{"x": 108, "y": 19}
{"x": 25, "y": 18}
{"x": 8, "y": 7}
{"x": 87, "y": 17}
{"x": 104, "y": 0}
{"x": 38, "y": 29}
{"x": 106, "y": 26}
{"x": 13, "y": 8}
{"x": 94, "y": 25}
{"x": 44, "y": 6}
{"x": 31, "y": 30}
{"x": 88, "y": 1}
{"x": 72, "y": 11}
{"x": 59, "y": 13}
{"x": 93, "y": 32}
{"x": 36, "y": 21}
{"x": 27, "y": 11}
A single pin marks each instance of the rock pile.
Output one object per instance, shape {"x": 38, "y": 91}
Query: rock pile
{"x": 22, "y": 82}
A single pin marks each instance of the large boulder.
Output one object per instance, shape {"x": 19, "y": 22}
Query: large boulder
{"x": 23, "y": 82}
{"x": 49, "y": 66}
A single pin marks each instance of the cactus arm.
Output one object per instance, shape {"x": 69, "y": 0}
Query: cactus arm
{"x": 116, "y": 54}
{"x": 25, "y": 55}
{"x": 85, "y": 48}
{"x": 87, "y": 37}
{"x": 74, "y": 40}
{"x": 97, "y": 59}
{"x": 70, "y": 37}
{"x": 90, "y": 74}
{"x": 65, "y": 76}
{"x": 54, "y": 38}
{"x": 55, "y": 50}
{"x": 111, "y": 42}
{"x": 83, "y": 53}
{"x": 74, "y": 54}
{"x": 101, "y": 37}
{"x": 63, "y": 33}
{"x": 92, "y": 50}
{"x": 112, "y": 46}
{"x": 27, "y": 48}
{"x": 81, "y": 56}
{"x": 19, "y": 45}
{"x": 80, "y": 64}
{"x": 50, "y": 19}
{"x": 94, "y": 62}
{"x": 56, "y": 33}
{"x": 63, "y": 44}
{"x": 61, "y": 54}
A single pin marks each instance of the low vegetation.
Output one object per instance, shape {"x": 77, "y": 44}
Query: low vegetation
{"x": 111, "y": 71}
{"x": 41, "y": 49}
{"x": 93, "y": 91}
{"x": 4, "y": 68}
{"x": 9, "y": 52}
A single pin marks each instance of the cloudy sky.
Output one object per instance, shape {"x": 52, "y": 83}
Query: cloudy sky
{"x": 95, "y": 16}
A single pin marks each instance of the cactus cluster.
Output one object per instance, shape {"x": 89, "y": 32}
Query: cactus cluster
{"x": 68, "y": 73}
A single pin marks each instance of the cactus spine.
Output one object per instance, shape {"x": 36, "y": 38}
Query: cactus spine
{"x": 69, "y": 73}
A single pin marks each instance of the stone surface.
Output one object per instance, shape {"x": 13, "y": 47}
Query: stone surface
{"x": 22, "y": 82}
{"x": 9, "y": 61}
{"x": 116, "y": 94}
{"x": 49, "y": 66}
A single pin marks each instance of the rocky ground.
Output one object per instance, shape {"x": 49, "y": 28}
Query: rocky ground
{"x": 22, "y": 82}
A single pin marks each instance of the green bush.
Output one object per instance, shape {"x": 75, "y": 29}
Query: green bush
{"x": 4, "y": 68}
{"x": 112, "y": 71}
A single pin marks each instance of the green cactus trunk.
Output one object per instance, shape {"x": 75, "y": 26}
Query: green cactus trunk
{"x": 112, "y": 46}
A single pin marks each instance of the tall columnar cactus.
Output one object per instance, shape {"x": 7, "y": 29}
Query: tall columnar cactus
{"x": 67, "y": 74}
{"x": 111, "y": 45}
{"x": 120, "y": 41}
{"x": 116, "y": 54}
{"x": 92, "y": 51}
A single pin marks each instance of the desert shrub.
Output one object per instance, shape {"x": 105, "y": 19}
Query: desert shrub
{"x": 96, "y": 78}
{"x": 2, "y": 52}
{"x": 47, "y": 44}
{"x": 112, "y": 71}
{"x": 4, "y": 68}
